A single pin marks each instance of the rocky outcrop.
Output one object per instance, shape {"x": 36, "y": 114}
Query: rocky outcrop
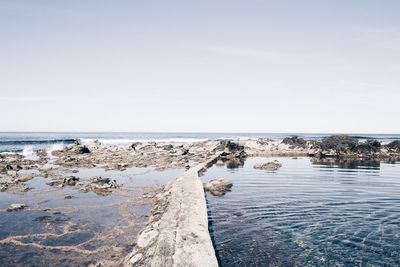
{"x": 346, "y": 147}
{"x": 269, "y": 166}
{"x": 295, "y": 142}
{"x": 218, "y": 187}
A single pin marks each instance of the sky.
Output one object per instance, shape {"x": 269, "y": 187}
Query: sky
{"x": 200, "y": 66}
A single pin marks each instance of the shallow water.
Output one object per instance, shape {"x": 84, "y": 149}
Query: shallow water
{"x": 68, "y": 227}
{"x": 307, "y": 214}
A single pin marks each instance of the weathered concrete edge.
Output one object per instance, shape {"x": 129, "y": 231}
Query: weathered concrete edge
{"x": 177, "y": 233}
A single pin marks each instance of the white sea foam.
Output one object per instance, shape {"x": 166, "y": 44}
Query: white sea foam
{"x": 29, "y": 153}
{"x": 54, "y": 147}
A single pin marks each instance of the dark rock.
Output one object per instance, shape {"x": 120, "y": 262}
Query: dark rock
{"x": 72, "y": 180}
{"x": 339, "y": 143}
{"x": 367, "y": 147}
{"x": 231, "y": 150}
{"x": 167, "y": 147}
{"x": 8, "y": 167}
{"x": 395, "y": 145}
{"x": 83, "y": 150}
{"x": 295, "y": 141}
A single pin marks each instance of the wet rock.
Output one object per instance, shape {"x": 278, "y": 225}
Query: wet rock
{"x": 55, "y": 183}
{"x": 72, "y": 180}
{"x": 8, "y": 167}
{"x": 395, "y": 145}
{"x": 16, "y": 207}
{"x": 83, "y": 150}
{"x": 218, "y": 187}
{"x": 103, "y": 183}
{"x": 339, "y": 143}
{"x": 269, "y": 166}
{"x": 295, "y": 142}
{"x": 367, "y": 147}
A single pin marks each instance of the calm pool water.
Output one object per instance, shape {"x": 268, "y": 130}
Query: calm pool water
{"x": 68, "y": 227}
{"x": 307, "y": 214}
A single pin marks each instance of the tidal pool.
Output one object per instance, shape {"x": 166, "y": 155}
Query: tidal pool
{"x": 307, "y": 214}
{"x": 68, "y": 227}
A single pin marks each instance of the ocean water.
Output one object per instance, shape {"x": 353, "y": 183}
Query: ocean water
{"x": 307, "y": 213}
{"x": 26, "y": 142}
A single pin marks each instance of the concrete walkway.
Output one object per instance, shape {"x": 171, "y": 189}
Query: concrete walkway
{"x": 177, "y": 232}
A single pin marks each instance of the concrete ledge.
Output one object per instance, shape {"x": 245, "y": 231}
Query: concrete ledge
{"x": 177, "y": 232}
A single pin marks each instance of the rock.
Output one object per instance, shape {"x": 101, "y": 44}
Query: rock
{"x": 8, "y": 167}
{"x": 339, "y": 143}
{"x": 146, "y": 238}
{"x": 12, "y": 173}
{"x": 395, "y": 145}
{"x": 103, "y": 183}
{"x": 269, "y": 166}
{"x": 69, "y": 197}
{"x": 83, "y": 150}
{"x": 135, "y": 258}
{"x": 367, "y": 147}
{"x": 218, "y": 187}
{"x": 16, "y": 207}
{"x": 295, "y": 141}
{"x": 167, "y": 147}
{"x": 72, "y": 180}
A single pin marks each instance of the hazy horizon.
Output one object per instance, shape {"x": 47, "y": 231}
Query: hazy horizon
{"x": 209, "y": 66}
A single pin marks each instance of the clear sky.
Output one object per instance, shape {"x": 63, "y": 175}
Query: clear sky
{"x": 213, "y": 66}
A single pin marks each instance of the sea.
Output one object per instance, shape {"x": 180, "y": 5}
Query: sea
{"x": 26, "y": 142}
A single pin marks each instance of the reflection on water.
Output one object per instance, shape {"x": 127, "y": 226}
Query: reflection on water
{"x": 308, "y": 214}
{"x": 68, "y": 227}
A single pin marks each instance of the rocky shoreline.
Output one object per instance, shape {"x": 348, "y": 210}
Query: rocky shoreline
{"x": 177, "y": 228}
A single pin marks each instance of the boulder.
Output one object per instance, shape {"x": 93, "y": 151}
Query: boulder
{"x": 218, "y": 187}
{"x": 72, "y": 180}
{"x": 269, "y": 166}
{"x": 83, "y": 150}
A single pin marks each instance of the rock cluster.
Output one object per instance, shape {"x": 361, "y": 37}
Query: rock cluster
{"x": 344, "y": 146}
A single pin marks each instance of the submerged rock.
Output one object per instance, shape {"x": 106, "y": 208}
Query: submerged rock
{"x": 16, "y": 207}
{"x": 218, "y": 187}
{"x": 269, "y": 166}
